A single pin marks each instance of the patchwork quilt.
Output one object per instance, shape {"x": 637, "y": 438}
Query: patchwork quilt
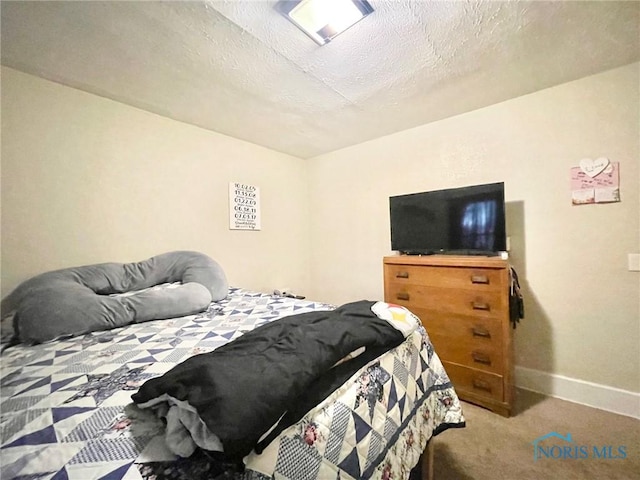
{"x": 66, "y": 409}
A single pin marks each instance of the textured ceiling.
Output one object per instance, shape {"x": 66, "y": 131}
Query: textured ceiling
{"x": 239, "y": 68}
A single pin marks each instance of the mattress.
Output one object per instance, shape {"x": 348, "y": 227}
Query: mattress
{"x": 66, "y": 409}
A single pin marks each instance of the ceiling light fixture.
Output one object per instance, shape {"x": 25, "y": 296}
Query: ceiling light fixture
{"x": 323, "y": 20}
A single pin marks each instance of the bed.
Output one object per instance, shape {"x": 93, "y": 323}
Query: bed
{"x": 66, "y": 410}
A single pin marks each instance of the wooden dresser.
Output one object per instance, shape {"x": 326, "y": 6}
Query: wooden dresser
{"x": 463, "y": 302}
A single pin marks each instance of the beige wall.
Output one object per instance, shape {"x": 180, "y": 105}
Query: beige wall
{"x": 88, "y": 180}
{"x": 582, "y": 305}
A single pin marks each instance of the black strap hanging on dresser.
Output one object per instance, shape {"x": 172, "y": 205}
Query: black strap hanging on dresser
{"x": 516, "y": 300}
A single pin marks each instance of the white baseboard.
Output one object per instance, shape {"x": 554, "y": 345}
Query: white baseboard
{"x": 603, "y": 397}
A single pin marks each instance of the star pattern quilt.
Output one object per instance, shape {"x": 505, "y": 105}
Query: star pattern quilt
{"x": 66, "y": 409}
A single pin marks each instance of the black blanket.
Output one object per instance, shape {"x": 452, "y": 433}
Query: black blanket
{"x": 241, "y": 389}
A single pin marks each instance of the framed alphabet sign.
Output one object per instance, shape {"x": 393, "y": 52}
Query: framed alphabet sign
{"x": 244, "y": 206}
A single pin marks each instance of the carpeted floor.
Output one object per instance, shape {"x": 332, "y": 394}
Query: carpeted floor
{"x": 492, "y": 447}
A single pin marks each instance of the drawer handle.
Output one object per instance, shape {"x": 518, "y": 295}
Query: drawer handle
{"x": 480, "y": 332}
{"x": 402, "y": 296}
{"x": 402, "y": 275}
{"x": 480, "y": 306}
{"x": 481, "y": 358}
{"x": 481, "y": 279}
{"x": 480, "y": 385}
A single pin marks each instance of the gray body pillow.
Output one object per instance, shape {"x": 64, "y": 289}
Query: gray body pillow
{"x": 73, "y": 301}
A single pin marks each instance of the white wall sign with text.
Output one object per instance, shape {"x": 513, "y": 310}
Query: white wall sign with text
{"x": 244, "y": 206}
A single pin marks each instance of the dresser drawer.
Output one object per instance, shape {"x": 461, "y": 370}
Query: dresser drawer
{"x": 468, "y": 341}
{"x": 473, "y": 303}
{"x": 454, "y": 277}
{"x": 478, "y": 383}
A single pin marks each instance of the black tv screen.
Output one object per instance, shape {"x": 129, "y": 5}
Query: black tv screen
{"x": 465, "y": 220}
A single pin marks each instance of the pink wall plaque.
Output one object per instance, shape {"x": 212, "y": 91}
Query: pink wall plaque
{"x": 595, "y": 181}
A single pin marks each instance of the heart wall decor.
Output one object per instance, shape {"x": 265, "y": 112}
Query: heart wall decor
{"x": 595, "y": 181}
{"x": 593, "y": 168}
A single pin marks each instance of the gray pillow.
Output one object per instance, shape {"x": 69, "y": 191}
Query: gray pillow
{"x": 74, "y": 301}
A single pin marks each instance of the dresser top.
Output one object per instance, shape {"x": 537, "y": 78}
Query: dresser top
{"x": 447, "y": 261}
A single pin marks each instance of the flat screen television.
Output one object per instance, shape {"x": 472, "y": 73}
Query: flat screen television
{"x": 464, "y": 221}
